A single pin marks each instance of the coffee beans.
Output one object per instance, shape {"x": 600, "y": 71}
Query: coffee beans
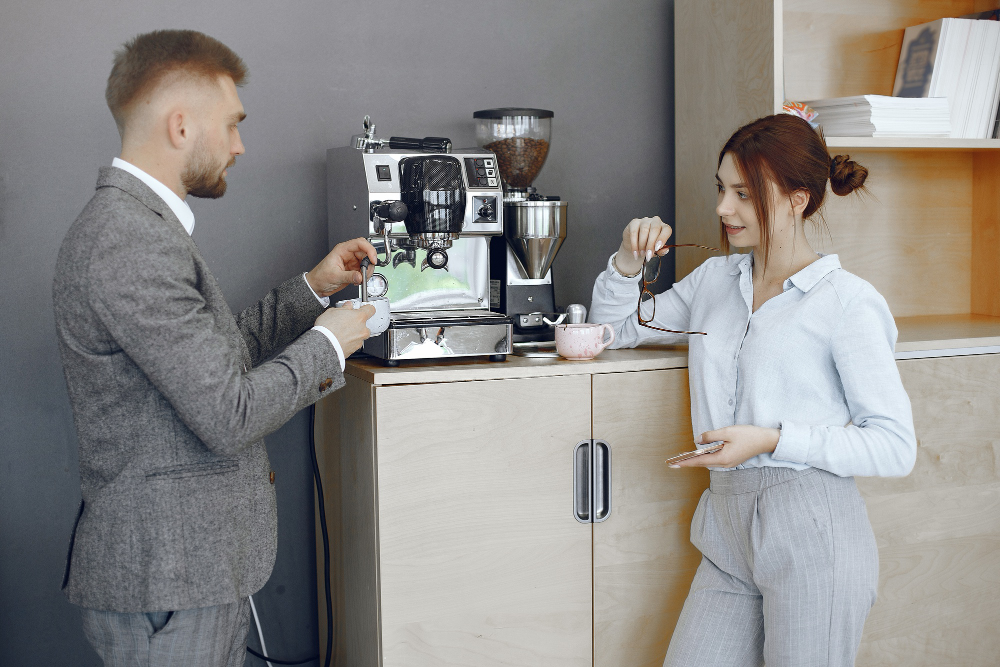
{"x": 519, "y": 159}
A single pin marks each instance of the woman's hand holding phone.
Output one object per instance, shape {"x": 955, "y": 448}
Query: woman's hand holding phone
{"x": 738, "y": 444}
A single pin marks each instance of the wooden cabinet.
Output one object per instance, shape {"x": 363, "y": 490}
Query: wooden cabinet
{"x": 449, "y": 503}
{"x": 450, "y": 499}
{"x": 928, "y": 238}
{"x": 938, "y": 529}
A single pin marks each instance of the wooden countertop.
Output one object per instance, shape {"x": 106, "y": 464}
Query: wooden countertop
{"x": 919, "y": 337}
{"x": 647, "y": 358}
{"x": 940, "y": 333}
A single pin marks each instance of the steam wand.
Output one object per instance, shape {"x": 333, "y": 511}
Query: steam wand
{"x": 365, "y": 263}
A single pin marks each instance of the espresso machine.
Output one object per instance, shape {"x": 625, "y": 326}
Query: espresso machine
{"x": 430, "y": 212}
{"x": 534, "y": 224}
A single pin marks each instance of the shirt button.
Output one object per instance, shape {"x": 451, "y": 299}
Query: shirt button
{"x": 730, "y": 401}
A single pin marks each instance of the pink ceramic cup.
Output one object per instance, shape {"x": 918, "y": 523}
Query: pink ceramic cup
{"x": 582, "y": 341}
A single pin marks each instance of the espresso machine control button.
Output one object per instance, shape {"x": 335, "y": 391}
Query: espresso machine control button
{"x": 382, "y": 172}
{"x": 486, "y": 211}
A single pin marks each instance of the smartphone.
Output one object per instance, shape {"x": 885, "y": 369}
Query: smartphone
{"x": 697, "y": 452}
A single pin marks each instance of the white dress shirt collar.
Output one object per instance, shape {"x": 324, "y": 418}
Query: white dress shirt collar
{"x": 176, "y": 204}
{"x": 805, "y": 279}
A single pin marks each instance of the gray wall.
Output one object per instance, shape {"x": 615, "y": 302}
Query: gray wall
{"x": 419, "y": 68}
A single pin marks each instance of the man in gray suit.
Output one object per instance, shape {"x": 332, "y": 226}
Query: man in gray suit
{"x": 171, "y": 393}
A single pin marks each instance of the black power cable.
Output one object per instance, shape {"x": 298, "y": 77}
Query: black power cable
{"x": 331, "y": 638}
{"x": 331, "y": 646}
{"x": 281, "y": 662}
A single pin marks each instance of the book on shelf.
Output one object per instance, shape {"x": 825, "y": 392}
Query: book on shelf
{"x": 883, "y": 116}
{"x": 958, "y": 59}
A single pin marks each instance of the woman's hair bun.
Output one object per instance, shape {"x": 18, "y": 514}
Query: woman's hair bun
{"x": 846, "y": 175}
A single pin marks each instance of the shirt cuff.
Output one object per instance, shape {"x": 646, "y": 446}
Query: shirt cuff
{"x": 325, "y": 300}
{"x": 793, "y": 444}
{"x": 336, "y": 344}
{"x": 617, "y": 275}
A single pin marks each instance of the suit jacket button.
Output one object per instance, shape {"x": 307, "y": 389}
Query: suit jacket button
{"x": 271, "y": 477}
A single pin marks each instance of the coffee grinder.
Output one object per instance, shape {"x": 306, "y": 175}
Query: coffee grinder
{"x": 534, "y": 225}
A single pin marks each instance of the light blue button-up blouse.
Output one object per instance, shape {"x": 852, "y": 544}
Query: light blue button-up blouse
{"x": 815, "y": 361}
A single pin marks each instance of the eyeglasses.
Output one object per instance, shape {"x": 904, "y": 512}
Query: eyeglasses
{"x": 644, "y": 321}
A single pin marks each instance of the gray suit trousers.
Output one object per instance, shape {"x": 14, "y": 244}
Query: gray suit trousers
{"x": 789, "y": 572}
{"x": 206, "y": 637}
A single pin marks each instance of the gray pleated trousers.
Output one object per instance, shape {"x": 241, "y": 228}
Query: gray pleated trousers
{"x": 206, "y": 637}
{"x": 789, "y": 572}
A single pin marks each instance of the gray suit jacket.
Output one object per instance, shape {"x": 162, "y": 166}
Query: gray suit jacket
{"x": 172, "y": 396}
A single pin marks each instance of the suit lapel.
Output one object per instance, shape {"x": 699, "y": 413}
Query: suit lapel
{"x": 113, "y": 177}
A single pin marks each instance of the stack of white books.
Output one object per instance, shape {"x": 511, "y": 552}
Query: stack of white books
{"x": 958, "y": 59}
{"x": 883, "y": 116}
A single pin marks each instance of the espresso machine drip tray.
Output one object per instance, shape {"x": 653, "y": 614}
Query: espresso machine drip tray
{"x": 408, "y": 318}
{"x": 443, "y": 334}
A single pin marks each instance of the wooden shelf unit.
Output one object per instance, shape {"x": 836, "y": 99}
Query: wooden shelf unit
{"x": 928, "y": 236}
{"x": 911, "y": 144}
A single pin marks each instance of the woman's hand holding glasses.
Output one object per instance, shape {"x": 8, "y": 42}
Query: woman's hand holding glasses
{"x": 641, "y": 239}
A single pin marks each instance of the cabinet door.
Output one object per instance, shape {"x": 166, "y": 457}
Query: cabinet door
{"x": 482, "y": 562}
{"x": 938, "y": 529}
{"x": 643, "y": 558}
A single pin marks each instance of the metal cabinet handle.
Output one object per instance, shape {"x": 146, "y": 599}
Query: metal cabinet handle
{"x": 581, "y": 482}
{"x": 601, "y": 480}
{"x": 592, "y": 481}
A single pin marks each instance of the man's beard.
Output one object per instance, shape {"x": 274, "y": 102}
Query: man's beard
{"x": 201, "y": 179}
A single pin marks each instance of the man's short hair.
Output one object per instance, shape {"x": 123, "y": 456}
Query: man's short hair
{"x": 142, "y": 63}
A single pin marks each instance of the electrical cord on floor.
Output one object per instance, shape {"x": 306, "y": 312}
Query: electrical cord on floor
{"x": 260, "y": 633}
{"x": 331, "y": 638}
{"x": 263, "y": 647}
{"x": 280, "y": 662}
{"x": 331, "y": 647}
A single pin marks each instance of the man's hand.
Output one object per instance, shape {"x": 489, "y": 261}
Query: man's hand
{"x": 348, "y": 325}
{"x": 741, "y": 443}
{"x": 342, "y": 267}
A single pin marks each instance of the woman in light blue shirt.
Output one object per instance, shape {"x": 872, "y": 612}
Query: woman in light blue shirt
{"x": 792, "y": 371}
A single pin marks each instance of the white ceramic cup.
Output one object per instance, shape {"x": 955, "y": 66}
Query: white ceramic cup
{"x": 582, "y": 341}
{"x": 378, "y": 322}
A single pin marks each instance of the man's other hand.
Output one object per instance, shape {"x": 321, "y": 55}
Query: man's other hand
{"x": 348, "y": 325}
{"x": 342, "y": 267}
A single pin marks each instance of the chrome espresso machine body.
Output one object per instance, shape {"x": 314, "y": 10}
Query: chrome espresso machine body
{"x": 430, "y": 212}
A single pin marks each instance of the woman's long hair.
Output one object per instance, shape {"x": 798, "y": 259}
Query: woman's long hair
{"x": 786, "y": 150}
